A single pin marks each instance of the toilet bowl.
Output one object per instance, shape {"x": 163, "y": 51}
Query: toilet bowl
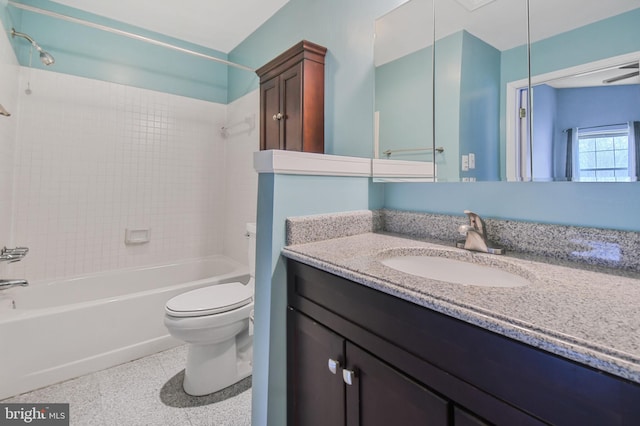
{"x": 214, "y": 321}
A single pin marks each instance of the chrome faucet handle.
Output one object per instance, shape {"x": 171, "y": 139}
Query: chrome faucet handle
{"x": 476, "y": 222}
{"x": 13, "y": 254}
{"x": 15, "y": 250}
{"x": 464, "y": 229}
{"x": 476, "y": 237}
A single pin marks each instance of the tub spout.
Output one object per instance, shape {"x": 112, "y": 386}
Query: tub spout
{"x": 5, "y": 284}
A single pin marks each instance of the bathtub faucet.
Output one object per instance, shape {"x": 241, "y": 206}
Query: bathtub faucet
{"x": 5, "y": 284}
{"x": 13, "y": 254}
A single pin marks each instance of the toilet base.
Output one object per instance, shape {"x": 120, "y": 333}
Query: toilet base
{"x": 213, "y": 367}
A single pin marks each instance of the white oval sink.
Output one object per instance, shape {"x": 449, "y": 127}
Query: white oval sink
{"x": 455, "y": 271}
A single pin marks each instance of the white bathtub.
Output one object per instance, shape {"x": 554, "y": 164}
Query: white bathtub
{"x": 64, "y": 329}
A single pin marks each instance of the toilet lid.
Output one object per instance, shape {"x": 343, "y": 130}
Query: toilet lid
{"x": 210, "y": 300}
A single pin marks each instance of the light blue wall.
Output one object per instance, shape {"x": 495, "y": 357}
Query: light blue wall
{"x": 92, "y": 53}
{"x": 480, "y": 107}
{"x": 597, "y": 106}
{"x": 279, "y": 197}
{"x": 513, "y": 67}
{"x": 610, "y": 37}
{"x": 467, "y": 87}
{"x": 448, "y": 73}
{"x": 346, "y": 29}
{"x": 602, "y": 205}
{"x": 544, "y": 128}
{"x": 555, "y": 110}
{"x": 403, "y": 93}
{"x": 467, "y": 106}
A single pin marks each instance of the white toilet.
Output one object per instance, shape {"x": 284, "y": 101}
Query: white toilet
{"x": 214, "y": 321}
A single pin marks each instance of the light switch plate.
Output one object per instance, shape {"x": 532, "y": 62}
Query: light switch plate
{"x": 465, "y": 163}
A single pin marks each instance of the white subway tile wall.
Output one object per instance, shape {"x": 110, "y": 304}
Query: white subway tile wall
{"x": 242, "y": 180}
{"x": 9, "y": 99}
{"x": 94, "y": 158}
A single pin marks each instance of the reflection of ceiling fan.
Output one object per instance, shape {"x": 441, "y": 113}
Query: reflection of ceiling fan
{"x": 633, "y": 65}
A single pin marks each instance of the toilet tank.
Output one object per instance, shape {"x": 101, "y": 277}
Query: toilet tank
{"x": 251, "y": 248}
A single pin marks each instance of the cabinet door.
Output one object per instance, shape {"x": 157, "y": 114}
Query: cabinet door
{"x": 270, "y": 108}
{"x": 291, "y": 93}
{"x": 386, "y": 397}
{"x": 463, "y": 418}
{"x": 316, "y": 395}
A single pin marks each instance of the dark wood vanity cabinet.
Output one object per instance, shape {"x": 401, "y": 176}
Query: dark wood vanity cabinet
{"x": 292, "y": 100}
{"x": 375, "y": 394}
{"x": 408, "y": 365}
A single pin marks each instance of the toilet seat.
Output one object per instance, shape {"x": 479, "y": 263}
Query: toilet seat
{"x": 210, "y": 300}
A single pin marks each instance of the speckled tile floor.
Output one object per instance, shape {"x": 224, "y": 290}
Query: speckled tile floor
{"x": 147, "y": 391}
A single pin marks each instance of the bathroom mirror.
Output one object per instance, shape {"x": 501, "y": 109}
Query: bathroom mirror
{"x": 480, "y": 44}
{"x": 478, "y": 94}
{"x": 404, "y": 85}
{"x": 585, "y": 93}
{"x": 435, "y": 101}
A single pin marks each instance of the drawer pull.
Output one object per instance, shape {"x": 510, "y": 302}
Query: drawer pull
{"x": 348, "y": 376}
{"x": 333, "y": 365}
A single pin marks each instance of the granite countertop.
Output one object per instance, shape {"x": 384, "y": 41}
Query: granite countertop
{"x": 588, "y": 316}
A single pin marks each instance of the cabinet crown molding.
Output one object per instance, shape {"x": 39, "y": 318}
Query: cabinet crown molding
{"x": 296, "y": 53}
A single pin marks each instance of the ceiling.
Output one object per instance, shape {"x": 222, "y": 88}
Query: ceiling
{"x": 217, "y": 24}
{"x": 620, "y": 74}
{"x": 500, "y": 23}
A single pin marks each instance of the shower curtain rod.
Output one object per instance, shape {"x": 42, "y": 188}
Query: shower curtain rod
{"x": 126, "y": 34}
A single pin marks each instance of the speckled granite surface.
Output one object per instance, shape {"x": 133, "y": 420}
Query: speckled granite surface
{"x": 606, "y": 247}
{"x": 307, "y": 229}
{"x": 589, "y": 246}
{"x": 584, "y": 315}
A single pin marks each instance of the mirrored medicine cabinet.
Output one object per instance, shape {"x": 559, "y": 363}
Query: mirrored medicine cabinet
{"x": 514, "y": 90}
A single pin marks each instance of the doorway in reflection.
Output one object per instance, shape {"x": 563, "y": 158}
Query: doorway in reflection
{"x": 585, "y": 125}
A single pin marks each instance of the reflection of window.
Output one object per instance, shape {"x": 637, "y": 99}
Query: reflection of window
{"x": 604, "y": 155}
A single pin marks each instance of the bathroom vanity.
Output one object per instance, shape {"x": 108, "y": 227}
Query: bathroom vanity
{"x": 370, "y": 345}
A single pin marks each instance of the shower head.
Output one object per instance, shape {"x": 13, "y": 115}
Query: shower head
{"x": 45, "y": 57}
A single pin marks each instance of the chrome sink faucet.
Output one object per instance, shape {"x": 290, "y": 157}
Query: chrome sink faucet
{"x": 476, "y": 237}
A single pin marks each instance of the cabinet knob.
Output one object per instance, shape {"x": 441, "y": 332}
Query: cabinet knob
{"x": 277, "y": 116}
{"x": 348, "y": 376}
{"x": 333, "y": 365}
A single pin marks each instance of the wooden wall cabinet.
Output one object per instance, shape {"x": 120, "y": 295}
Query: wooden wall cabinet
{"x": 292, "y": 99}
{"x": 409, "y": 365}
